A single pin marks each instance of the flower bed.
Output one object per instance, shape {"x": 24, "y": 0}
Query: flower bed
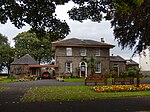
{"x": 121, "y": 88}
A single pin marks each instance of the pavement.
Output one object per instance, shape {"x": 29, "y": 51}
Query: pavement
{"x": 10, "y": 100}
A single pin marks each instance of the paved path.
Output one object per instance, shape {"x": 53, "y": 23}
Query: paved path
{"x": 9, "y": 100}
{"x": 46, "y": 82}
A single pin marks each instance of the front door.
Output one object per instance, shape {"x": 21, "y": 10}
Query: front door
{"x": 83, "y": 69}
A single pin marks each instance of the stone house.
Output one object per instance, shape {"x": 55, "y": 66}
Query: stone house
{"x": 19, "y": 68}
{"x": 118, "y": 64}
{"x": 27, "y": 66}
{"x": 72, "y": 56}
{"x": 130, "y": 64}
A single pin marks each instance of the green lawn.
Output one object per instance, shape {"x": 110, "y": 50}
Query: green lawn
{"x": 74, "y": 80}
{"x": 69, "y": 93}
{"x": 80, "y": 80}
{"x": 2, "y": 89}
{"x": 8, "y": 80}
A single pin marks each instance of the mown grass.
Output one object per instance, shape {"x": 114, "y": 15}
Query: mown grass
{"x": 80, "y": 80}
{"x": 74, "y": 80}
{"x": 7, "y": 80}
{"x": 71, "y": 93}
{"x": 2, "y": 89}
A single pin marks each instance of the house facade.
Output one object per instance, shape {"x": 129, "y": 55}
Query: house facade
{"x": 130, "y": 64}
{"x": 27, "y": 66}
{"x": 73, "y": 57}
{"x": 117, "y": 64}
{"x": 19, "y": 68}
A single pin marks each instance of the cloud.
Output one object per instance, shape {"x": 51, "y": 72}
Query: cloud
{"x": 85, "y": 30}
{"x": 10, "y": 31}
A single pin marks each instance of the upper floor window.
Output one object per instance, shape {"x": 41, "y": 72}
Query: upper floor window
{"x": 97, "y": 52}
{"x": 69, "y": 67}
{"x": 69, "y": 51}
{"x": 98, "y": 68}
{"x": 83, "y": 52}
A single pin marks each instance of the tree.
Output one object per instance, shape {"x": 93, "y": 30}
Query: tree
{"x": 129, "y": 18}
{"x": 39, "y": 14}
{"x": 92, "y": 65}
{"x": 37, "y": 47}
{"x": 131, "y": 29}
{"x": 6, "y": 53}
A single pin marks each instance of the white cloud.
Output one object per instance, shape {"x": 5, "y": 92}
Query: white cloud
{"x": 10, "y": 31}
{"x": 85, "y": 30}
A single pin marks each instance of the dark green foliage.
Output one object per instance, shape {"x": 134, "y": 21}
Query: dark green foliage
{"x": 6, "y": 53}
{"x": 39, "y": 14}
{"x": 129, "y": 18}
{"x": 132, "y": 73}
{"x": 132, "y": 28}
{"x": 39, "y": 48}
{"x": 92, "y": 65}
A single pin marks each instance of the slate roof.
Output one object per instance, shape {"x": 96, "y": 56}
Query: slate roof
{"x": 80, "y": 42}
{"x": 25, "y": 60}
{"x": 117, "y": 58}
{"x": 131, "y": 62}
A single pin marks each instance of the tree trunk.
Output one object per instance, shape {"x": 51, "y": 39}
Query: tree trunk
{"x": 137, "y": 80}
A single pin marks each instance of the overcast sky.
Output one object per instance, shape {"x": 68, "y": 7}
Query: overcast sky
{"x": 85, "y": 30}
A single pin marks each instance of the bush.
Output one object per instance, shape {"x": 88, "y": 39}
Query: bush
{"x": 124, "y": 74}
{"x": 132, "y": 73}
{"x": 113, "y": 73}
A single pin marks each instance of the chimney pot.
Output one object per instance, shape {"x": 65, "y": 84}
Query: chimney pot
{"x": 102, "y": 40}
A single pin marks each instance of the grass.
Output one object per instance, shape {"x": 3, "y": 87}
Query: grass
{"x": 74, "y": 80}
{"x": 70, "y": 93}
{"x": 2, "y": 89}
{"x": 80, "y": 80}
{"x": 7, "y": 80}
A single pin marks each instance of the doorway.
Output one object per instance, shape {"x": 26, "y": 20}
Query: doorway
{"x": 83, "y": 69}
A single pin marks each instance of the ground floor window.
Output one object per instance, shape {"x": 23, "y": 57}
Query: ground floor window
{"x": 69, "y": 67}
{"x": 98, "y": 68}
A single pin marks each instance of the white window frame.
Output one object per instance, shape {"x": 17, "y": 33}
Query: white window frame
{"x": 68, "y": 67}
{"x": 68, "y": 51}
{"x": 97, "y": 52}
{"x": 98, "y": 68}
{"x": 82, "y": 52}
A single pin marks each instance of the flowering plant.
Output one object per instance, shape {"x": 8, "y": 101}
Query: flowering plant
{"x": 121, "y": 88}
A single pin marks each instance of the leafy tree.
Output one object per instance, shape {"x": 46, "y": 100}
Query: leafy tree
{"x": 39, "y": 14}
{"x": 6, "y": 53}
{"x": 3, "y": 39}
{"x": 92, "y": 65}
{"x": 129, "y": 18}
{"x": 37, "y": 47}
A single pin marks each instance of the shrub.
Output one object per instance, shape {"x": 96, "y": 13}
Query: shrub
{"x": 113, "y": 73}
{"x": 132, "y": 73}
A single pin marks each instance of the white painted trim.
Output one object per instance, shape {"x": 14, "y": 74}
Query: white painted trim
{"x": 85, "y": 68}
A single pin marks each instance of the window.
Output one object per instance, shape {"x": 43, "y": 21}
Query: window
{"x": 98, "y": 68}
{"x": 83, "y": 52}
{"x": 97, "y": 52}
{"x": 69, "y": 51}
{"x": 69, "y": 67}
{"x": 116, "y": 68}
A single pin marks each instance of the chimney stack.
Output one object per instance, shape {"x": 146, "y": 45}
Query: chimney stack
{"x": 102, "y": 40}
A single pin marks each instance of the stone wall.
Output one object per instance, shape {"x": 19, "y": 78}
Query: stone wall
{"x": 61, "y": 59}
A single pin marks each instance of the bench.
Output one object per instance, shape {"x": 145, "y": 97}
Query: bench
{"x": 123, "y": 80}
{"x": 96, "y": 80}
